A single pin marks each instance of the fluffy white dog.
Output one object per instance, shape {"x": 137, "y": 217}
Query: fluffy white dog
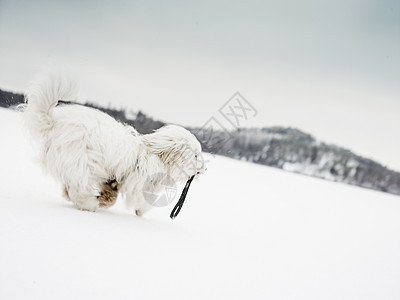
{"x": 95, "y": 157}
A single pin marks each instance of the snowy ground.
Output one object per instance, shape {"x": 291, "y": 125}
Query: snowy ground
{"x": 245, "y": 232}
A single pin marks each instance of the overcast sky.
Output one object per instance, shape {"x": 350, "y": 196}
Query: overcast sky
{"x": 330, "y": 68}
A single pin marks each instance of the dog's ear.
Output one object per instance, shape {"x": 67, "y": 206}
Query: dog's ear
{"x": 168, "y": 148}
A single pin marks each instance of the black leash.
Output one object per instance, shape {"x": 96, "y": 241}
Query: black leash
{"x": 179, "y": 205}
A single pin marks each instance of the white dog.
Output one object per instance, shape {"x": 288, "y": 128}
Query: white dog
{"x": 95, "y": 157}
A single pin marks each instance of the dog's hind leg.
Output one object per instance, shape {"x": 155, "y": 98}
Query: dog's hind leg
{"x": 65, "y": 192}
{"x": 84, "y": 199}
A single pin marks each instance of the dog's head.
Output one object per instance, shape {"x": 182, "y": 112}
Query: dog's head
{"x": 178, "y": 149}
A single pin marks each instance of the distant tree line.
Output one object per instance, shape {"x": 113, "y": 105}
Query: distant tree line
{"x": 285, "y": 148}
{"x": 293, "y": 150}
{"x": 8, "y": 99}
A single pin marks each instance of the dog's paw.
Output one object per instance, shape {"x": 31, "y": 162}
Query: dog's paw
{"x": 142, "y": 210}
{"x": 91, "y": 205}
{"x": 87, "y": 209}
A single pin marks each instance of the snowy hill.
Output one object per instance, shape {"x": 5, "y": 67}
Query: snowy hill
{"x": 246, "y": 232}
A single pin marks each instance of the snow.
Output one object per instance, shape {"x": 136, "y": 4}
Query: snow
{"x": 245, "y": 232}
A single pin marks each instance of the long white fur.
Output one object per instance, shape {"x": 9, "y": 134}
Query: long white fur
{"x": 83, "y": 147}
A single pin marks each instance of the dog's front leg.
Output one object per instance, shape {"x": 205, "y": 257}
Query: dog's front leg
{"x": 135, "y": 198}
{"x": 108, "y": 193}
{"x": 140, "y": 204}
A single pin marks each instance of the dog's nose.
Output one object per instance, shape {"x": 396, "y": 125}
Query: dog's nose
{"x": 201, "y": 171}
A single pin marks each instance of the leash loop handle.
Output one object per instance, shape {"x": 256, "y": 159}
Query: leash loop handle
{"x": 181, "y": 200}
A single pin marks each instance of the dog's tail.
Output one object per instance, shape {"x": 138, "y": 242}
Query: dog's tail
{"x": 42, "y": 96}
